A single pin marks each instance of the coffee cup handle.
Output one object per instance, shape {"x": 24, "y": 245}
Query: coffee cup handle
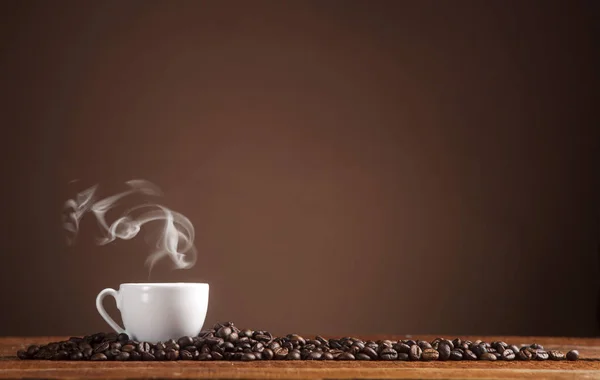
{"x": 103, "y": 313}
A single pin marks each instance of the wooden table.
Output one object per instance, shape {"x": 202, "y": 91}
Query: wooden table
{"x": 587, "y": 368}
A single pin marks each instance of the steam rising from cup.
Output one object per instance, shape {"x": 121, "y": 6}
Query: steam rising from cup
{"x": 176, "y": 240}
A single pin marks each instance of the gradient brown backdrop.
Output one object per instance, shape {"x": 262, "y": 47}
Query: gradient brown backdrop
{"x": 350, "y": 167}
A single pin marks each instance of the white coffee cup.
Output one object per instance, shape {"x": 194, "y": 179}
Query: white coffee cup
{"x": 153, "y": 312}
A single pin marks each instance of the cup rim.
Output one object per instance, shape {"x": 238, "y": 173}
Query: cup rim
{"x": 165, "y": 284}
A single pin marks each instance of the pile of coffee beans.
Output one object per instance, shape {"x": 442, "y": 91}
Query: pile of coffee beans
{"x": 226, "y": 342}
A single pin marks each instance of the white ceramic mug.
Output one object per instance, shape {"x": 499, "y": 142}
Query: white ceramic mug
{"x": 159, "y": 311}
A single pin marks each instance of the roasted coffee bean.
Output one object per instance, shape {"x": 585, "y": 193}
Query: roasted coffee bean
{"x": 361, "y": 356}
{"x": 102, "y": 347}
{"x": 556, "y": 355}
{"x": 444, "y": 350}
{"x": 525, "y": 354}
{"x": 423, "y": 344}
{"x": 479, "y": 350}
{"x": 204, "y": 357}
{"x": 143, "y": 347}
{"x": 160, "y": 355}
{"x": 127, "y": 348}
{"x": 573, "y": 355}
{"x": 508, "y": 355}
{"x": 346, "y": 356}
{"x": 514, "y": 349}
{"x": 281, "y": 353}
{"x": 293, "y": 355}
{"x": 488, "y": 356}
{"x": 536, "y": 346}
{"x": 402, "y": 356}
{"x": 122, "y": 338}
{"x": 327, "y": 356}
{"x": 22, "y": 354}
{"x": 60, "y": 355}
{"x": 248, "y": 356}
{"x": 223, "y": 332}
{"x": 171, "y": 354}
{"x": 185, "y": 355}
{"x": 541, "y": 355}
{"x": 111, "y": 354}
{"x": 415, "y": 352}
{"x": 429, "y": 354}
{"x": 32, "y": 350}
{"x": 469, "y": 355}
{"x": 370, "y": 352}
{"x": 457, "y": 342}
{"x": 388, "y": 353}
{"x": 98, "y": 357}
{"x": 122, "y": 357}
{"x": 87, "y": 352}
{"x": 134, "y": 356}
{"x": 185, "y": 341}
{"x": 455, "y": 355}
{"x": 216, "y": 355}
{"x": 76, "y": 355}
{"x": 404, "y": 348}
{"x": 148, "y": 357}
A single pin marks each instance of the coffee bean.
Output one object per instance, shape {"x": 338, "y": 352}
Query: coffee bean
{"x": 160, "y": 355}
{"x": 556, "y": 355}
{"x": 541, "y": 355}
{"x": 488, "y": 356}
{"x": 525, "y": 354}
{"x": 122, "y": 338}
{"x": 444, "y": 350}
{"x": 281, "y": 353}
{"x": 102, "y": 347}
{"x": 536, "y": 346}
{"x": 87, "y": 352}
{"x": 508, "y": 355}
{"x": 479, "y": 350}
{"x": 76, "y": 355}
{"x": 346, "y": 356}
{"x": 32, "y": 350}
{"x": 148, "y": 357}
{"x": 22, "y": 354}
{"x": 98, "y": 357}
{"x": 573, "y": 355}
{"x": 457, "y": 342}
{"x": 216, "y": 355}
{"x": 423, "y": 344}
{"x": 388, "y": 353}
{"x": 404, "y": 348}
{"x": 248, "y": 356}
{"x": 469, "y": 355}
{"x": 185, "y": 341}
{"x": 370, "y": 352}
{"x": 143, "y": 347}
{"x": 223, "y": 332}
{"x": 134, "y": 356}
{"x": 293, "y": 355}
{"x": 111, "y": 354}
{"x": 204, "y": 357}
{"x": 127, "y": 348}
{"x": 122, "y": 356}
{"x": 429, "y": 354}
{"x": 455, "y": 355}
{"x": 185, "y": 355}
{"x": 60, "y": 355}
{"x": 415, "y": 352}
{"x": 171, "y": 354}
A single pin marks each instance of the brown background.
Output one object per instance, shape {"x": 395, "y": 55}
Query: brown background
{"x": 350, "y": 167}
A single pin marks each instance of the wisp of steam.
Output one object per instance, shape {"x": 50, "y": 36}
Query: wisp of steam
{"x": 176, "y": 240}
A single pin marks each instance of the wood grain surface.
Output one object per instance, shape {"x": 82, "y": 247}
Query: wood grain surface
{"x": 586, "y": 368}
